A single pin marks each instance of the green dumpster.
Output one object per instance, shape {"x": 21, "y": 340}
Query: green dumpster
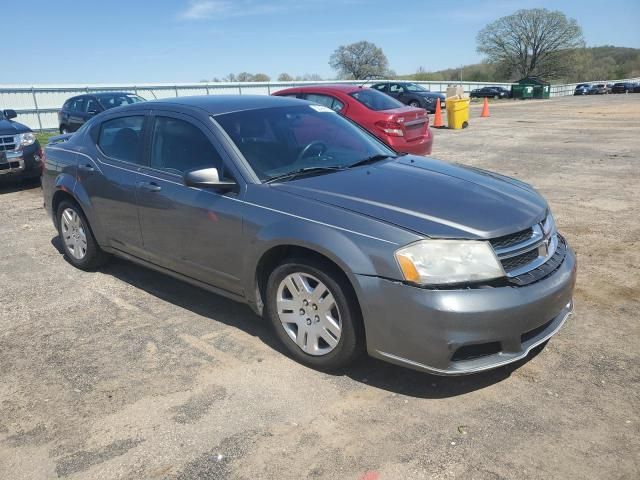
{"x": 522, "y": 91}
{"x": 539, "y": 88}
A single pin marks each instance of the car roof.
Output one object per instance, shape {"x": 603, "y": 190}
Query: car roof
{"x": 106, "y": 94}
{"x": 331, "y": 87}
{"x": 218, "y": 104}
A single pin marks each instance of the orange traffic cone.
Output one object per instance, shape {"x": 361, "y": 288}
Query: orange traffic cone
{"x": 485, "y": 108}
{"x": 437, "y": 121}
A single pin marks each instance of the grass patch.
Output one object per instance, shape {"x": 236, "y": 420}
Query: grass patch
{"x": 44, "y": 136}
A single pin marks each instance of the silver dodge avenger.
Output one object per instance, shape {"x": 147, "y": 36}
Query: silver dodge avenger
{"x": 344, "y": 245}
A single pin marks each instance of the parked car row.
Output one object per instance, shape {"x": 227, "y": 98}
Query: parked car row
{"x": 606, "y": 88}
{"x": 343, "y": 245}
{"x": 77, "y": 110}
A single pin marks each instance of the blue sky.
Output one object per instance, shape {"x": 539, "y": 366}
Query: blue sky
{"x": 133, "y": 41}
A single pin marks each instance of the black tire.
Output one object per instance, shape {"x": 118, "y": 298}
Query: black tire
{"x": 62, "y": 129}
{"x": 351, "y": 343}
{"x": 94, "y": 256}
{"x": 414, "y": 103}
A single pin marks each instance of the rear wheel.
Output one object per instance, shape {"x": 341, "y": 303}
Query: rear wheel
{"x": 414, "y": 103}
{"x": 64, "y": 129}
{"x": 78, "y": 242}
{"x": 314, "y": 313}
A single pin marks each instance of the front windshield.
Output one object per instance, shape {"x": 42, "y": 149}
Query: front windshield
{"x": 278, "y": 141}
{"x": 119, "y": 99}
{"x": 413, "y": 87}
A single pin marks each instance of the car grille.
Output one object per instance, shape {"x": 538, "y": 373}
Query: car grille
{"x": 531, "y": 254}
{"x": 514, "y": 263}
{"x": 7, "y": 143}
{"x": 513, "y": 239}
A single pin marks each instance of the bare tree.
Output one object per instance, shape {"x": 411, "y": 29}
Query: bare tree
{"x": 359, "y": 60}
{"x": 531, "y": 42}
{"x": 244, "y": 77}
{"x": 261, "y": 77}
{"x": 285, "y": 77}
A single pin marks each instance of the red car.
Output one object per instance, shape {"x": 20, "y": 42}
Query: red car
{"x": 403, "y": 128}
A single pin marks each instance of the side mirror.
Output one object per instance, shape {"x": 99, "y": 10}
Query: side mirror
{"x": 208, "y": 178}
{"x": 10, "y": 114}
{"x": 93, "y": 112}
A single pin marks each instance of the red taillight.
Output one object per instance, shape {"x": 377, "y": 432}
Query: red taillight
{"x": 391, "y": 128}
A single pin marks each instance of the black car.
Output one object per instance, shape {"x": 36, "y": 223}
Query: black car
{"x": 490, "y": 92}
{"x": 412, "y": 94}
{"x": 78, "y": 110}
{"x": 582, "y": 89}
{"x": 20, "y": 153}
{"x": 623, "y": 87}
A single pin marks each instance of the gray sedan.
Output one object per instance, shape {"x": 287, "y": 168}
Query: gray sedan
{"x": 342, "y": 244}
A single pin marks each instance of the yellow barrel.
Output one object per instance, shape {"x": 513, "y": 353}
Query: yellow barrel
{"x": 457, "y": 112}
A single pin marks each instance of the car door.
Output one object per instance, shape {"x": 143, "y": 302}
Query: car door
{"x": 91, "y": 108}
{"x": 396, "y": 91}
{"x": 196, "y": 232}
{"x": 111, "y": 178}
{"x": 76, "y": 115}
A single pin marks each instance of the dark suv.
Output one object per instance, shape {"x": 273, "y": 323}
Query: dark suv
{"x": 623, "y": 87}
{"x": 20, "y": 153}
{"x": 78, "y": 110}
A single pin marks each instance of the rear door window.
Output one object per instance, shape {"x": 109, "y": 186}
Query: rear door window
{"x": 326, "y": 100}
{"x": 121, "y": 138}
{"x": 78, "y": 104}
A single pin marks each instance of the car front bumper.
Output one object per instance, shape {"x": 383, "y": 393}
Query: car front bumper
{"x": 456, "y": 332}
{"x": 24, "y": 163}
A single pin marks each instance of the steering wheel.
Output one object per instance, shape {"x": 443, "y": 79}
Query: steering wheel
{"x": 316, "y": 143}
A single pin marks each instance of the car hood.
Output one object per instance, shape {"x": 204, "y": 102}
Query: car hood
{"x": 429, "y": 197}
{"x": 7, "y": 127}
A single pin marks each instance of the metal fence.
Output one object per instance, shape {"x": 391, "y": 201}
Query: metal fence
{"x": 38, "y": 105}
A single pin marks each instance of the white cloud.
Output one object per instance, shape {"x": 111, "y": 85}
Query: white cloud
{"x": 208, "y": 9}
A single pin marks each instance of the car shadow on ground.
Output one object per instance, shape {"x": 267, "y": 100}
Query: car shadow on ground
{"x": 366, "y": 370}
{"x": 18, "y": 185}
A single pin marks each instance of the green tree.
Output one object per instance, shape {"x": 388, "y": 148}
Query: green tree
{"x": 531, "y": 42}
{"x": 359, "y": 60}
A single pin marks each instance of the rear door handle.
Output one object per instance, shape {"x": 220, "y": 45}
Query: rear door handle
{"x": 86, "y": 168}
{"x": 150, "y": 186}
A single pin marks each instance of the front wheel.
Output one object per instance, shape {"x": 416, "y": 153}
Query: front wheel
{"x": 414, "y": 103}
{"x": 80, "y": 247}
{"x": 314, "y": 313}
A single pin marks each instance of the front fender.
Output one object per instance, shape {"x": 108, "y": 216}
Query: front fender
{"x": 341, "y": 247}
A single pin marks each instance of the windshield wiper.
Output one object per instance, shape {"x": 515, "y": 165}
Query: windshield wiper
{"x": 304, "y": 171}
{"x": 371, "y": 159}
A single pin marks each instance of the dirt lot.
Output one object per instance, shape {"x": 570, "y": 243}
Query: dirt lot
{"x": 126, "y": 373}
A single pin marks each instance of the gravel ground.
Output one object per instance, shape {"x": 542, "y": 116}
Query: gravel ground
{"x": 125, "y": 373}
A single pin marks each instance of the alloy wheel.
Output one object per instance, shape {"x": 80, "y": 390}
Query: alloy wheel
{"x": 309, "y": 313}
{"x": 73, "y": 233}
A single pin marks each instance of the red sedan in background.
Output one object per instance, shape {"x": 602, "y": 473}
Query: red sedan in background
{"x": 403, "y": 128}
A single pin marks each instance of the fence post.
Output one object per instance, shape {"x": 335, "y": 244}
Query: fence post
{"x": 175, "y": 87}
{"x": 268, "y": 89}
{"x": 35, "y": 103}
{"x": 239, "y": 90}
{"x": 207, "y": 89}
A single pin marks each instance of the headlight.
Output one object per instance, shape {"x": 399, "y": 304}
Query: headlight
{"x": 437, "y": 262}
{"x": 26, "y": 139}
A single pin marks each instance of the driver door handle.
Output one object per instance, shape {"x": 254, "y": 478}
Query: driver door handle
{"x": 150, "y": 186}
{"x": 86, "y": 168}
